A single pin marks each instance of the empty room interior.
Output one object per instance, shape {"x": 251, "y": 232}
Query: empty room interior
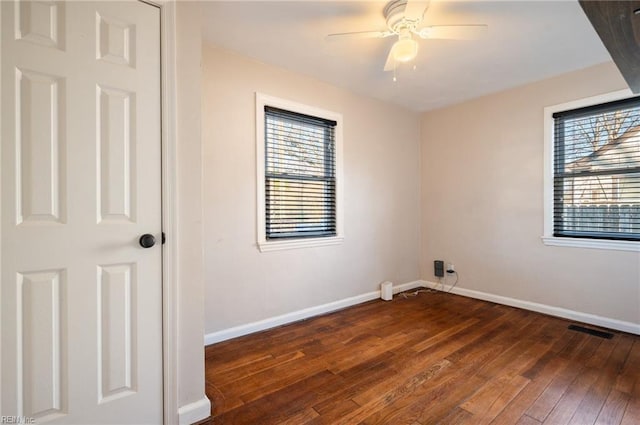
{"x": 443, "y": 157}
{"x": 355, "y": 212}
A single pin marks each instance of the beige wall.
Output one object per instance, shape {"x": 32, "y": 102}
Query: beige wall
{"x": 381, "y": 178}
{"x": 482, "y": 203}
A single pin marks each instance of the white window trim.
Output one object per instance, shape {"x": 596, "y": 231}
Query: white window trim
{"x": 263, "y": 244}
{"x": 548, "y": 238}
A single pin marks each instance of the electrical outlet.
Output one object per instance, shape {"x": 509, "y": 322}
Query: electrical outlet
{"x": 438, "y": 268}
{"x": 450, "y": 268}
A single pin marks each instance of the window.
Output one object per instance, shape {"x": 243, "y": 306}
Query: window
{"x": 593, "y": 195}
{"x": 300, "y": 175}
{"x": 299, "y": 184}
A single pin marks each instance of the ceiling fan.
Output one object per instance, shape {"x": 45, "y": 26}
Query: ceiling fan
{"x": 404, "y": 20}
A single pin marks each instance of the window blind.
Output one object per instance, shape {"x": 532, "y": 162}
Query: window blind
{"x": 300, "y": 177}
{"x": 597, "y": 171}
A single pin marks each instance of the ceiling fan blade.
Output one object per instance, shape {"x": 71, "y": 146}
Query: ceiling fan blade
{"x": 454, "y": 32}
{"x": 415, "y": 9}
{"x": 391, "y": 62}
{"x": 359, "y": 34}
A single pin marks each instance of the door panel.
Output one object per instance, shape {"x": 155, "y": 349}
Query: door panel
{"x": 41, "y": 22}
{"x": 117, "y": 331}
{"x": 39, "y": 111}
{"x": 116, "y": 155}
{"x": 81, "y": 318}
{"x": 42, "y": 341}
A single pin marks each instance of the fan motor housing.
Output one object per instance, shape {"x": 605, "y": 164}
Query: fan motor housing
{"x": 394, "y": 13}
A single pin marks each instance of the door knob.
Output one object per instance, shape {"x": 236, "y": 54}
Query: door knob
{"x": 147, "y": 240}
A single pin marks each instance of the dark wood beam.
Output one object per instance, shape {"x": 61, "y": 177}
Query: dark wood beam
{"x": 618, "y": 25}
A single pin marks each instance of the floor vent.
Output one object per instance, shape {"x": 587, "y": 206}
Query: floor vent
{"x": 594, "y": 332}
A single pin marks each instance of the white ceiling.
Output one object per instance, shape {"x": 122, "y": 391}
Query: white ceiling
{"x": 526, "y": 41}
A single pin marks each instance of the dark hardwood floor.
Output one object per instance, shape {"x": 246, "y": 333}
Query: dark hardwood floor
{"x": 432, "y": 358}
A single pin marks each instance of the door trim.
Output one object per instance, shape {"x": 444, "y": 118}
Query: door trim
{"x": 200, "y": 409}
{"x": 1, "y": 121}
{"x": 169, "y": 209}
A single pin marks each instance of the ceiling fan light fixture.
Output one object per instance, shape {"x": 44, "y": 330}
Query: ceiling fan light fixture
{"x": 405, "y": 50}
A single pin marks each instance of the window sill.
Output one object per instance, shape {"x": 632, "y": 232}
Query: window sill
{"x": 592, "y": 243}
{"x": 265, "y": 246}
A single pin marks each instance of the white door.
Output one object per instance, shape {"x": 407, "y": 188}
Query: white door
{"x": 81, "y": 331}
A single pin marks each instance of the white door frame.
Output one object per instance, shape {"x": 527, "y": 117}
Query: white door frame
{"x": 1, "y": 214}
{"x": 169, "y": 209}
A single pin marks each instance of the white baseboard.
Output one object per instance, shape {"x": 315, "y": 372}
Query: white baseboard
{"x": 294, "y": 316}
{"x": 578, "y": 316}
{"x": 406, "y": 286}
{"x": 194, "y": 412}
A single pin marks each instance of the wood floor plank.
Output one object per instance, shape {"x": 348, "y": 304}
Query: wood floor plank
{"x": 630, "y": 373}
{"x": 632, "y": 412}
{"x": 632, "y": 363}
{"x": 592, "y": 403}
{"x": 269, "y": 381}
{"x": 509, "y": 375}
{"x": 515, "y": 359}
{"x": 259, "y": 365}
{"x": 303, "y": 417}
{"x": 571, "y": 344}
{"x": 352, "y": 357}
{"x": 540, "y": 365}
{"x": 495, "y": 403}
{"x": 445, "y": 334}
{"x": 334, "y": 412}
{"x": 425, "y": 359}
{"x": 602, "y": 353}
{"x": 539, "y": 380}
{"x": 218, "y": 400}
{"x": 490, "y": 400}
{"x": 571, "y": 399}
{"x": 626, "y": 381}
{"x": 457, "y": 416}
{"x": 214, "y": 366}
{"x": 433, "y": 402}
{"x": 527, "y": 420}
{"x": 422, "y": 368}
{"x": 586, "y": 349}
{"x": 613, "y": 409}
{"x": 288, "y": 402}
{"x": 356, "y": 383}
{"x": 542, "y": 406}
{"x": 377, "y": 402}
